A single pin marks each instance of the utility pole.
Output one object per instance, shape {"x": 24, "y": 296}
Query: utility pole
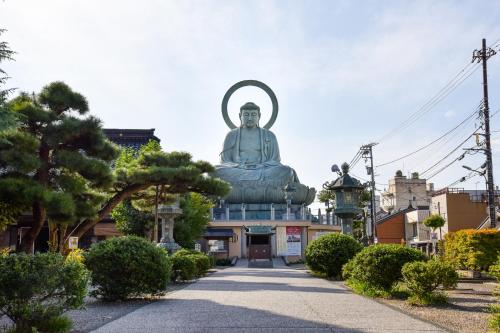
{"x": 482, "y": 56}
{"x": 367, "y": 153}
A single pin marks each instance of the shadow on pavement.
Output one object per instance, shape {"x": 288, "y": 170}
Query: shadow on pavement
{"x": 264, "y": 273}
{"x": 200, "y": 315}
{"x": 231, "y": 285}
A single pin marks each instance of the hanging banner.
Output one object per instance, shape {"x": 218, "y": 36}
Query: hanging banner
{"x": 293, "y": 241}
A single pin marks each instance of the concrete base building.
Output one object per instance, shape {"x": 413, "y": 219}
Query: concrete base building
{"x": 228, "y": 235}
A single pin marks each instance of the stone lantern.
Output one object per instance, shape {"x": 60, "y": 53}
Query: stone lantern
{"x": 347, "y": 193}
{"x": 168, "y": 213}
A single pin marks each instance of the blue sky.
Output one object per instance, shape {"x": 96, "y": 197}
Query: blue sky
{"x": 345, "y": 72}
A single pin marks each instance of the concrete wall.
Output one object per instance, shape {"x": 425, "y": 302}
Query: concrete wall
{"x": 235, "y": 248}
{"x": 458, "y": 211}
{"x": 463, "y": 213}
{"x": 402, "y": 191}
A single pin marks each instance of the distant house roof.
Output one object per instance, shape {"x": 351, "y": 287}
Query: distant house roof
{"x": 392, "y": 214}
{"x": 130, "y": 138}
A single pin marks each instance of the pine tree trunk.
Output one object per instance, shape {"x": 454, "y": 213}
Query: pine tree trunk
{"x": 63, "y": 243}
{"x": 107, "y": 208}
{"x": 28, "y": 241}
{"x": 53, "y": 236}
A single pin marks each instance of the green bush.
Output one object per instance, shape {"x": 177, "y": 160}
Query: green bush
{"x": 183, "y": 267}
{"x": 495, "y": 269}
{"x": 422, "y": 278}
{"x": 202, "y": 263}
{"x": 128, "y": 266}
{"x": 378, "y": 267}
{"x": 472, "y": 249}
{"x": 328, "y": 253}
{"x": 35, "y": 290}
{"x": 494, "y": 320}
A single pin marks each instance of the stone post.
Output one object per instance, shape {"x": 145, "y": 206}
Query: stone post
{"x": 243, "y": 211}
{"x": 227, "y": 213}
{"x": 272, "y": 212}
{"x": 303, "y": 212}
{"x": 346, "y": 226}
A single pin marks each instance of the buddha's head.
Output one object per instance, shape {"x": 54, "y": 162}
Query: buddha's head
{"x": 250, "y": 115}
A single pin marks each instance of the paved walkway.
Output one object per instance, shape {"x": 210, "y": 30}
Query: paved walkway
{"x": 279, "y": 300}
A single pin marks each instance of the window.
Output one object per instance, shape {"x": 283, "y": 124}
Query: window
{"x": 215, "y": 245}
{"x": 414, "y": 230}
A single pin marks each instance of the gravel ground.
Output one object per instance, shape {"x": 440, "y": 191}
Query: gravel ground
{"x": 466, "y": 311}
{"x": 97, "y": 313}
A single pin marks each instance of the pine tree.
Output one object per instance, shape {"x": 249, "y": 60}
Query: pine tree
{"x": 56, "y": 163}
{"x": 7, "y": 118}
{"x": 173, "y": 173}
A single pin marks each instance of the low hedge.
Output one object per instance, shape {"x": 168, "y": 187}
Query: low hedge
{"x": 328, "y": 253}
{"x": 183, "y": 267}
{"x": 127, "y": 266}
{"x": 422, "y": 278}
{"x": 378, "y": 267}
{"x": 472, "y": 249}
{"x": 35, "y": 291}
{"x": 188, "y": 264}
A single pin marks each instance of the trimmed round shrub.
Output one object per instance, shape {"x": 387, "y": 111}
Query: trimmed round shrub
{"x": 422, "y": 278}
{"x": 328, "y": 253}
{"x": 379, "y": 266}
{"x": 35, "y": 290}
{"x": 202, "y": 263}
{"x": 201, "y": 260}
{"x": 183, "y": 267}
{"x": 127, "y": 266}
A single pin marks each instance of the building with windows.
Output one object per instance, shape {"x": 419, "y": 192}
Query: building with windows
{"x": 403, "y": 192}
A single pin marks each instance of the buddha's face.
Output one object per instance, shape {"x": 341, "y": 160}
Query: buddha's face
{"x": 249, "y": 118}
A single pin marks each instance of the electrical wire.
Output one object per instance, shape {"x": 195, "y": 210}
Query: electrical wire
{"x": 430, "y": 143}
{"x": 458, "y": 79}
{"x": 448, "y": 155}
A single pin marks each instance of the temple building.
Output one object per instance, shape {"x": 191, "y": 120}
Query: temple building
{"x": 130, "y": 138}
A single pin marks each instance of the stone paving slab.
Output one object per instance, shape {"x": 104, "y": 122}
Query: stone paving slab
{"x": 241, "y": 299}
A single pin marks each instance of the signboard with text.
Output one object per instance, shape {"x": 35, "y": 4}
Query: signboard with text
{"x": 293, "y": 241}
{"x": 73, "y": 243}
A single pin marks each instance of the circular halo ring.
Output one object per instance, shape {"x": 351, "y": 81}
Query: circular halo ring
{"x": 246, "y": 83}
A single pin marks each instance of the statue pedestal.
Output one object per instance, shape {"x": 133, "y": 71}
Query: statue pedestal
{"x": 167, "y": 215}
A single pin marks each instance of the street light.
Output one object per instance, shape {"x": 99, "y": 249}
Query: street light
{"x": 474, "y": 170}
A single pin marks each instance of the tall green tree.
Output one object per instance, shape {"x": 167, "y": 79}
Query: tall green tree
{"x": 56, "y": 163}
{"x": 7, "y": 117}
{"x": 132, "y": 221}
{"x": 189, "y": 226}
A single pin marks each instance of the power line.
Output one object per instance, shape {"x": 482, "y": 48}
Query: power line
{"x": 460, "y": 77}
{"x": 448, "y": 155}
{"x": 430, "y": 143}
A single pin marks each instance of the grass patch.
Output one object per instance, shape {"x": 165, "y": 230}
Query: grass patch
{"x": 398, "y": 291}
{"x": 434, "y": 298}
{"x": 494, "y": 320}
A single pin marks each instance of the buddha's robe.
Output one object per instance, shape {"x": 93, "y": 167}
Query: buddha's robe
{"x": 255, "y": 157}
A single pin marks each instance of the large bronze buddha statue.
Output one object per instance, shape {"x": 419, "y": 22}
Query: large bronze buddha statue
{"x": 250, "y": 161}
